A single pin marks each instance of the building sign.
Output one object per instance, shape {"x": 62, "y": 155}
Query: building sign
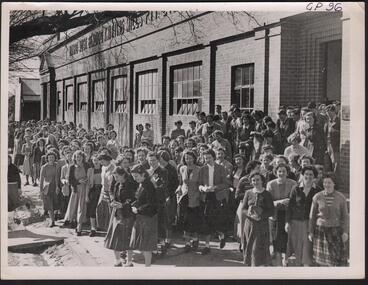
{"x": 116, "y": 28}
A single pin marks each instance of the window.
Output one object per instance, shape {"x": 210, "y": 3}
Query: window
{"x": 98, "y": 95}
{"x": 83, "y": 96}
{"x": 243, "y": 86}
{"x": 186, "y": 85}
{"x": 69, "y": 97}
{"x": 147, "y": 92}
{"x": 119, "y": 94}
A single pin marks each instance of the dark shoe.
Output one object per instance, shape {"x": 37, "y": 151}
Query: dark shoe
{"x": 73, "y": 225}
{"x": 52, "y": 225}
{"x": 79, "y": 234}
{"x": 195, "y": 244}
{"x": 118, "y": 264}
{"x": 34, "y": 184}
{"x": 92, "y": 233}
{"x": 66, "y": 224}
{"x": 123, "y": 255}
{"x": 129, "y": 265}
{"x": 187, "y": 248}
{"x": 167, "y": 245}
{"x": 205, "y": 250}
{"x": 240, "y": 248}
{"x": 27, "y": 183}
{"x": 222, "y": 243}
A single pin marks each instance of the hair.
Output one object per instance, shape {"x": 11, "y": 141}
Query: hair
{"x": 104, "y": 157}
{"x": 191, "y": 153}
{"x": 311, "y": 168}
{"x": 179, "y": 149}
{"x": 242, "y": 157}
{"x": 251, "y": 165}
{"x": 120, "y": 171}
{"x": 292, "y": 137}
{"x": 79, "y": 152}
{"x": 164, "y": 155}
{"x": 333, "y": 177}
{"x": 268, "y": 156}
{"x": 210, "y": 152}
{"x": 306, "y": 156}
{"x": 120, "y": 159}
{"x": 256, "y": 173}
{"x": 141, "y": 149}
{"x": 279, "y": 166}
{"x": 152, "y": 154}
{"x": 294, "y": 158}
{"x": 51, "y": 153}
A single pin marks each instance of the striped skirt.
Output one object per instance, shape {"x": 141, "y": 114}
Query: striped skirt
{"x": 328, "y": 247}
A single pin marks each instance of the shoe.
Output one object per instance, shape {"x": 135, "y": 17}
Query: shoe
{"x": 129, "y": 265}
{"x": 222, "y": 243}
{"x": 35, "y": 184}
{"x": 240, "y": 248}
{"x": 123, "y": 255}
{"x": 195, "y": 244}
{"x": 52, "y": 225}
{"x": 92, "y": 233}
{"x": 73, "y": 225}
{"x": 167, "y": 245}
{"x": 27, "y": 183}
{"x": 79, "y": 234}
{"x": 205, "y": 250}
{"x": 118, "y": 264}
{"x": 187, "y": 248}
{"x": 66, "y": 224}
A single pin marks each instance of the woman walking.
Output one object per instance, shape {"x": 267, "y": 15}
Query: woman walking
{"x": 122, "y": 217}
{"x": 329, "y": 225}
{"x": 93, "y": 193}
{"x": 189, "y": 200}
{"x": 258, "y": 207}
{"x": 145, "y": 231}
{"x": 76, "y": 211}
{"x": 297, "y": 218}
{"x": 280, "y": 189}
{"x": 27, "y": 162}
{"x": 103, "y": 211}
{"x": 48, "y": 185}
{"x": 39, "y": 151}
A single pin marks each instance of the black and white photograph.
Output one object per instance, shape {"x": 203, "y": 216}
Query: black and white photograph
{"x": 206, "y": 141}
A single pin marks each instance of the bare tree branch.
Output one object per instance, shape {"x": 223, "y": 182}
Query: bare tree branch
{"x": 60, "y": 22}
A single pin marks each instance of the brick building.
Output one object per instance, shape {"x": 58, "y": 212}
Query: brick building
{"x": 163, "y": 67}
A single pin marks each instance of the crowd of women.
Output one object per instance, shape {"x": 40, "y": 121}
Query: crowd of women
{"x": 237, "y": 174}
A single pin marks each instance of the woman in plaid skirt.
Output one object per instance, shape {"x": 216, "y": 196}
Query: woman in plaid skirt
{"x": 329, "y": 225}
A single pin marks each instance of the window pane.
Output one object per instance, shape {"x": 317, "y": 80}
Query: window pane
{"x": 238, "y": 73}
{"x": 175, "y": 75}
{"x": 185, "y": 89}
{"x": 180, "y": 90}
{"x": 245, "y": 76}
{"x": 185, "y": 76}
{"x": 180, "y": 74}
{"x": 190, "y": 73}
{"x": 190, "y": 89}
{"x": 196, "y": 88}
{"x": 175, "y": 94}
{"x": 251, "y": 74}
{"x": 196, "y": 72}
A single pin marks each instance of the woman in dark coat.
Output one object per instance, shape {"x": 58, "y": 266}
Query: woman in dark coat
{"x": 145, "y": 231}
{"x": 297, "y": 218}
{"x": 122, "y": 217}
{"x": 38, "y": 152}
{"x": 258, "y": 206}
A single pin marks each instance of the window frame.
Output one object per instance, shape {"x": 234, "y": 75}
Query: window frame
{"x": 242, "y": 87}
{"x": 189, "y": 100}
{"x": 94, "y": 102}
{"x": 79, "y": 99}
{"x": 123, "y": 102}
{"x": 69, "y": 106}
{"x": 138, "y": 107}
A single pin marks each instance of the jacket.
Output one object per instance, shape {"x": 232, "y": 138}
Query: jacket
{"x": 219, "y": 180}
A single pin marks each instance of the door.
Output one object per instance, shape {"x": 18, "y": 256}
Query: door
{"x": 333, "y": 50}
